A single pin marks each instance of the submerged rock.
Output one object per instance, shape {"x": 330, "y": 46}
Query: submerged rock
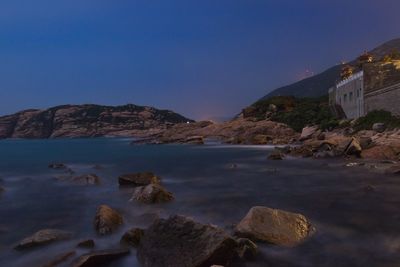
{"x": 138, "y": 179}
{"x": 274, "y": 226}
{"x": 276, "y": 155}
{"x": 151, "y": 194}
{"x": 59, "y": 259}
{"x": 107, "y": 220}
{"x": 86, "y": 179}
{"x": 89, "y": 243}
{"x": 57, "y": 166}
{"x": 99, "y": 258}
{"x": 132, "y": 237}
{"x": 43, "y": 237}
{"x": 182, "y": 242}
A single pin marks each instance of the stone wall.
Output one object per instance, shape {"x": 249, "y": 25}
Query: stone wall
{"x": 387, "y": 98}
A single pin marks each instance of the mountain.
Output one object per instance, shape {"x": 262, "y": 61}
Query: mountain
{"x": 87, "y": 121}
{"x": 319, "y": 84}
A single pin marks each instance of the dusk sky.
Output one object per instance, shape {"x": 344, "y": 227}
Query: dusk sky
{"x": 202, "y": 59}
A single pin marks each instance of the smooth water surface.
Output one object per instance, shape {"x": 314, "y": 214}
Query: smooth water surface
{"x": 212, "y": 183}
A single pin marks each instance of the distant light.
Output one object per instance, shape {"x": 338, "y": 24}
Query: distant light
{"x": 188, "y": 122}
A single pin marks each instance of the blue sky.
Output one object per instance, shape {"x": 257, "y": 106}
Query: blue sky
{"x": 200, "y": 58}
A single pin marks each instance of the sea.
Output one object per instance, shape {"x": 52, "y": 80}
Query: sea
{"x": 356, "y": 212}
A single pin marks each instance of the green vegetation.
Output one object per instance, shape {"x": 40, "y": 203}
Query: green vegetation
{"x": 376, "y": 116}
{"x": 295, "y": 112}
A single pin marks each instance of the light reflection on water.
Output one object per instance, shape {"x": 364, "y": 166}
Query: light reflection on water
{"x": 215, "y": 184}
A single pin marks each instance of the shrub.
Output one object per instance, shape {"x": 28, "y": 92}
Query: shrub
{"x": 297, "y": 112}
{"x": 376, "y": 116}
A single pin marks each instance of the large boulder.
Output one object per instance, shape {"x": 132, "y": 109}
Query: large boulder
{"x": 86, "y": 179}
{"x": 151, "y": 194}
{"x": 182, "y": 242}
{"x": 274, "y": 226}
{"x": 308, "y": 132}
{"x": 43, "y": 237}
{"x": 99, "y": 258}
{"x": 138, "y": 179}
{"x": 107, "y": 220}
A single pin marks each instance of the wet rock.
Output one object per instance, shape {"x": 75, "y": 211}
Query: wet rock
{"x": 274, "y": 226}
{"x": 152, "y": 193}
{"x": 308, "y": 132}
{"x": 194, "y": 140}
{"x": 379, "y": 127}
{"x": 247, "y": 250}
{"x": 89, "y": 243}
{"x": 132, "y": 237}
{"x": 57, "y": 166}
{"x": 99, "y": 258}
{"x": 139, "y": 179}
{"x": 276, "y": 155}
{"x": 181, "y": 242}
{"x": 107, "y": 220}
{"x": 86, "y": 179}
{"x": 59, "y": 259}
{"x": 261, "y": 139}
{"x": 43, "y": 237}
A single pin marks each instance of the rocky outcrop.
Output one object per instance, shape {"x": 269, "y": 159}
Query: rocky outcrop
{"x": 151, "y": 194}
{"x": 132, "y": 237}
{"x": 138, "y": 179}
{"x": 107, "y": 220}
{"x": 308, "y": 132}
{"x": 43, "y": 237}
{"x": 99, "y": 258}
{"x": 274, "y": 226}
{"x": 182, "y": 242}
{"x": 88, "y": 121}
{"x": 238, "y": 131}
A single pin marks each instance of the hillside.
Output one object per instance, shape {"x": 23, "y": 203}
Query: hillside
{"x": 87, "y": 121}
{"x": 319, "y": 84}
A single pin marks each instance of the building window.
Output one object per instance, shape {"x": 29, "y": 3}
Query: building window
{"x": 345, "y": 98}
{"x": 351, "y": 96}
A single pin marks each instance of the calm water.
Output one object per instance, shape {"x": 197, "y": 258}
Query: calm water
{"x": 354, "y": 227}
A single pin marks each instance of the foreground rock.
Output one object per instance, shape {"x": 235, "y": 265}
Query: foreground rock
{"x": 86, "y": 179}
{"x": 99, "y": 258}
{"x": 308, "y": 132}
{"x": 274, "y": 226}
{"x": 107, "y": 220}
{"x": 151, "y": 194}
{"x": 132, "y": 237}
{"x": 138, "y": 179}
{"x": 182, "y": 242}
{"x": 43, "y": 237}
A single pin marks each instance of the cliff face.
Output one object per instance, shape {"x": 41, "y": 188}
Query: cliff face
{"x": 87, "y": 121}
